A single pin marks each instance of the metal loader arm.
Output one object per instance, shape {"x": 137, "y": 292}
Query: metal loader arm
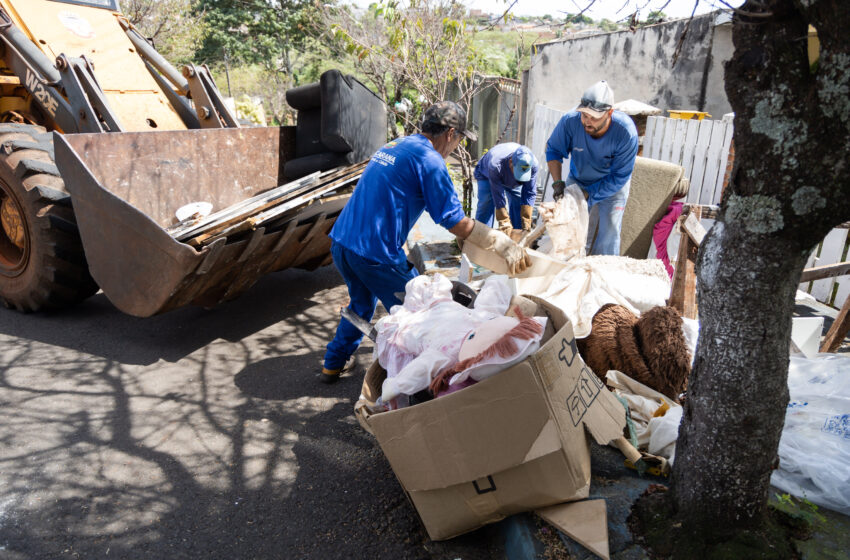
{"x": 42, "y": 79}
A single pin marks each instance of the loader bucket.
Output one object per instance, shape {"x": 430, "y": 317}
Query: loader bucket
{"x": 125, "y": 188}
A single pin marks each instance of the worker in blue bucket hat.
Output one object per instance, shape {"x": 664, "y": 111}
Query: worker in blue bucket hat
{"x": 507, "y": 186}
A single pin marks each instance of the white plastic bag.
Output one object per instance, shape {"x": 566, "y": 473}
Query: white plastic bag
{"x": 566, "y": 225}
{"x": 814, "y": 452}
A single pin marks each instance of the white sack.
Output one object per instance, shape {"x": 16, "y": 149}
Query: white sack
{"x": 643, "y": 403}
{"x": 566, "y": 225}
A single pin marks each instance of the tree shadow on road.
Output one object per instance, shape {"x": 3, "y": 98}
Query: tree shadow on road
{"x": 97, "y": 328}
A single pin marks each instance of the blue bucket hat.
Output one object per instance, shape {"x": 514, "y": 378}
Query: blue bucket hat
{"x": 523, "y": 161}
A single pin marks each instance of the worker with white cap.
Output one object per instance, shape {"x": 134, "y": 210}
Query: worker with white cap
{"x": 601, "y": 144}
{"x": 507, "y": 186}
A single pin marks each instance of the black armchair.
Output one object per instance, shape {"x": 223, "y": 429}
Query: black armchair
{"x": 340, "y": 122}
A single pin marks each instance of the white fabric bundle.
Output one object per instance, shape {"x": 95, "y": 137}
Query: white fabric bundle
{"x": 423, "y": 336}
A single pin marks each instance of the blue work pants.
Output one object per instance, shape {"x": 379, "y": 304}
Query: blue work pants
{"x": 368, "y": 281}
{"x": 485, "y": 211}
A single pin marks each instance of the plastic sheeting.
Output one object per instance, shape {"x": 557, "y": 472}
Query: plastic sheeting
{"x": 814, "y": 451}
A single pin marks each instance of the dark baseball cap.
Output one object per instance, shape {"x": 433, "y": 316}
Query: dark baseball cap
{"x": 448, "y": 113}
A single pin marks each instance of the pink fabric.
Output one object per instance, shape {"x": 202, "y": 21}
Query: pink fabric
{"x": 661, "y": 231}
{"x": 456, "y": 387}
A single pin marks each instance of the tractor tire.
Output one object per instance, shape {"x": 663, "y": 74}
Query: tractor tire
{"x": 42, "y": 263}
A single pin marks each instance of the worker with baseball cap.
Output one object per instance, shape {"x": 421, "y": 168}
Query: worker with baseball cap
{"x": 507, "y": 186}
{"x": 601, "y": 144}
{"x": 401, "y": 180}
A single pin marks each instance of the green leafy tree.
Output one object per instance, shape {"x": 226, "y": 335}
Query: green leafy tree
{"x": 414, "y": 54}
{"x": 608, "y": 25}
{"x": 254, "y": 31}
{"x": 175, "y": 28}
{"x": 655, "y": 16}
{"x": 257, "y": 46}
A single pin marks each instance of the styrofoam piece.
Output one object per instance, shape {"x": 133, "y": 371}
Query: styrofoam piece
{"x": 806, "y": 333}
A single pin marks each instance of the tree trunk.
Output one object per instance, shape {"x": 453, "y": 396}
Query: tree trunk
{"x": 789, "y": 187}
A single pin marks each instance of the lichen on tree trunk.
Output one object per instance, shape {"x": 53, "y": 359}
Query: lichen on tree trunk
{"x": 790, "y": 186}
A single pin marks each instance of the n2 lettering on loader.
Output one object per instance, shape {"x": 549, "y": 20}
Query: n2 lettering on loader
{"x": 102, "y": 141}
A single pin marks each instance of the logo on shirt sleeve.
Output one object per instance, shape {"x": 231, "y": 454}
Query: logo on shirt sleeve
{"x": 384, "y": 158}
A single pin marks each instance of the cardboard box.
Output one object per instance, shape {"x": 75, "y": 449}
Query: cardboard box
{"x": 511, "y": 443}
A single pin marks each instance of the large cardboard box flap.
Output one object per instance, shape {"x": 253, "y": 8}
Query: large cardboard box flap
{"x": 466, "y": 435}
{"x": 511, "y": 443}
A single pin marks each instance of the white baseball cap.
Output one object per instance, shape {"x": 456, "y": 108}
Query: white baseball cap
{"x": 597, "y": 100}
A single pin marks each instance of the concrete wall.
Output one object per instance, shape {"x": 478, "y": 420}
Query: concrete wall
{"x": 492, "y": 115}
{"x": 637, "y": 66}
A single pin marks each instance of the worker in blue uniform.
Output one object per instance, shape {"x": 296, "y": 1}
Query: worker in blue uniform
{"x": 507, "y": 186}
{"x": 601, "y": 144}
{"x": 401, "y": 180}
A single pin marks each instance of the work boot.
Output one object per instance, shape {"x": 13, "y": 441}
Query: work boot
{"x": 329, "y": 376}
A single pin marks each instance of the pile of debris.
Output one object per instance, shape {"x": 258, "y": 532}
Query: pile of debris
{"x": 273, "y": 208}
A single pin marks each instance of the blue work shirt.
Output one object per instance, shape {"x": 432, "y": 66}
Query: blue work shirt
{"x": 494, "y": 167}
{"x": 401, "y": 180}
{"x": 601, "y": 166}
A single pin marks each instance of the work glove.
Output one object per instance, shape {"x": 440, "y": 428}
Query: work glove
{"x": 558, "y": 190}
{"x": 525, "y": 213}
{"x": 494, "y": 240}
{"x": 504, "y": 221}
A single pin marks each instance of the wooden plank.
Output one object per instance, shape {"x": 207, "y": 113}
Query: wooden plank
{"x": 545, "y": 121}
{"x": 700, "y": 151}
{"x": 690, "y": 158}
{"x": 825, "y": 271}
{"x": 694, "y": 229}
{"x": 843, "y": 291}
{"x": 691, "y": 133}
{"x": 683, "y": 292}
{"x": 657, "y": 136}
{"x": 253, "y": 221}
{"x": 239, "y": 208}
{"x": 831, "y": 252}
{"x": 838, "y": 331}
{"x": 810, "y": 262}
{"x": 678, "y": 141}
{"x": 728, "y": 133}
{"x": 712, "y": 163}
{"x": 667, "y": 140}
{"x": 647, "y": 135}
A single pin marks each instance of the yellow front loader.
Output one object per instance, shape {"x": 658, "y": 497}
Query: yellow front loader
{"x": 102, "y": 141}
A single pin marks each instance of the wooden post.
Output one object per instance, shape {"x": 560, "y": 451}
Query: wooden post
{"x": 683, "y": 294}
{"x": 835, "y": 336}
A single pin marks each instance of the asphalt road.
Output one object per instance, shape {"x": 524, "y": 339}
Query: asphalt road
{"x": 197, "y": 434}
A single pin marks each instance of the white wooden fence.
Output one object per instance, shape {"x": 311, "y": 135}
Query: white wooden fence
{"x": 702, "y": 148}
